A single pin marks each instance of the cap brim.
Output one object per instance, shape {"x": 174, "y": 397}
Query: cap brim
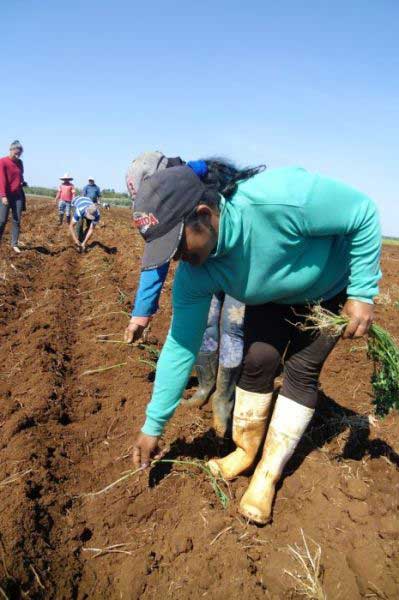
{"x": 90, "y": 216}
{"x": 160, "y": 251}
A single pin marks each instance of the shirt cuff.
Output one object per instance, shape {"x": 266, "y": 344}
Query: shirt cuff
{"x": 152, "y": 427}
{"x": 141, "y": 320}
{"x": 141, "y": 313}
{"x": 360, "y": 299}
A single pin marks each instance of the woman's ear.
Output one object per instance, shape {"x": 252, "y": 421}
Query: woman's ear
{"x": 204, "y": 212}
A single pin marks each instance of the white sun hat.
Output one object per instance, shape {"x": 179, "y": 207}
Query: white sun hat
{"x": 67, "y": 176}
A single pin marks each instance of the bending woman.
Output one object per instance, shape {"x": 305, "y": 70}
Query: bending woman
{"x": 219, "y": 360}
{"x": 285, "y": 239}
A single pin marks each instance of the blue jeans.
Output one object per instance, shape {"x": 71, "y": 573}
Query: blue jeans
{"x": 64, "y": 207}
{"x": 225, "y": 330}
{"x": 15, "y": 205}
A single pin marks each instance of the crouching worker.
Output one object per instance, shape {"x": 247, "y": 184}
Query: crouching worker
{"x": 85, "y": 218}
{"x": 279, "y": 241}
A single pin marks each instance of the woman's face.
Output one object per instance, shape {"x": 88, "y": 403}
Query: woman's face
{"x": 198, "y": 242}
{"x": 15, "y": 152}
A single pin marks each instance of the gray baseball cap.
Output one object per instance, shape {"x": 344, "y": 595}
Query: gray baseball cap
{"x": 144, "y": 166}
{"x": 91, "y": 212}
{"x": 162, "y": 204}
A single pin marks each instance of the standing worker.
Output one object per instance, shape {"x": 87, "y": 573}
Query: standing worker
{"x": 219, "y": 360}
{"x": 92, "y": 191}
{"x": 85, "y": 218}
{"x": 11, "y": 192}
{"x": 280, "y": 241}
{"x": 64, "y": 197}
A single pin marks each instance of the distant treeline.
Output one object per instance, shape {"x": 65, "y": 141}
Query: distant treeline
{"x": 41, "y": 191}
{"x": 117, "y": 201}
{"x": 106, "y": 193}
{"x": 112, "y": 194}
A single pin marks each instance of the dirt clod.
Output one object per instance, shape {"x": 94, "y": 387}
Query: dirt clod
{"x": 356, "y": 489}
{"x": 389, "y": 527}
{"x": 358, "y": 511}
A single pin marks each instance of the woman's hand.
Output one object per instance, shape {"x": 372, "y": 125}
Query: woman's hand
{"x": 361, "y": 316}
{"x": 145, "y": 449}
{"x": 4, "y": 201}
{"x": 136, "y": 328}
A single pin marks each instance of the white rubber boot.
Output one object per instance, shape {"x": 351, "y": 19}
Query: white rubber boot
{"x": 249, "y": 425}
{"x": 289, "y": 422}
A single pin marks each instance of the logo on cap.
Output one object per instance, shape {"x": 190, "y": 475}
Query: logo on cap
{"x": 144, "y": 221}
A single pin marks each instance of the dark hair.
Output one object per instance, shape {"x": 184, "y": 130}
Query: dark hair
{"x": 225, "y": 176}
{"x": 222, "y": 178}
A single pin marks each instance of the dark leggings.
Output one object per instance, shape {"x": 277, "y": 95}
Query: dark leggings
{"x": 271, "y": 339}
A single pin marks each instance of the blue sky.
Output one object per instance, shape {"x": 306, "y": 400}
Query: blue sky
{"x": 89, "y": 84}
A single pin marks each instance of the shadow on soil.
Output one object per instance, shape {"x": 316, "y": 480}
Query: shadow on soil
{"x": 107, "y": 249}
{"x": 202, "y": 447}
{"x": 47, "y": 251}
{"x": 330, "y": 420}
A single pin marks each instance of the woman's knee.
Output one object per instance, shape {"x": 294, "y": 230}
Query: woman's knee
{"x": 301, "y": 379}
{"x": 3, "y": 215}
{"x": 261, "y": 362}
{"x": 16, "y": 217}
{"x": 231, "y": 350}
{"x": 232, "y": 319}
{"x": 261, "y": 356}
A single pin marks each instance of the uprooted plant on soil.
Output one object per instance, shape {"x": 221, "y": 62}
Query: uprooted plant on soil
{"x": 214, "y": 481}
{"x": 381, "y": 348}
{"x": 154, "y": 352}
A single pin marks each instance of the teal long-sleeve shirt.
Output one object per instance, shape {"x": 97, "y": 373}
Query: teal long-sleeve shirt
{"x": 286, "y": 236}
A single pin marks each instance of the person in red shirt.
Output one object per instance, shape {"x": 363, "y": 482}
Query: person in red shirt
{"x": 64, "y": 197}
{"x": 11, "y": 192}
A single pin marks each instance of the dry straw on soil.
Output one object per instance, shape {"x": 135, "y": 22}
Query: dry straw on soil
{"x": 309, "y": 572}
{"x": 14, "y": 477}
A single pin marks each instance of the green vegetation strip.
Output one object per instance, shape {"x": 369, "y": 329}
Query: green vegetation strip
{"x": 387, "y": 240}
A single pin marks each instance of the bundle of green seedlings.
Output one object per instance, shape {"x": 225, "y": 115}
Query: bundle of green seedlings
{"x": 381, "y": 349}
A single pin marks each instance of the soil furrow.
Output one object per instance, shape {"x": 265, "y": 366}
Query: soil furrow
{"x": 38, "y": 400}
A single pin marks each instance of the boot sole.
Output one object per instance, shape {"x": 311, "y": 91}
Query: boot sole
{"x": 257, "y": 519}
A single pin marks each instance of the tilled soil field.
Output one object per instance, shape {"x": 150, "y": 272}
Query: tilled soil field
{"x": 163, "y": 533}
